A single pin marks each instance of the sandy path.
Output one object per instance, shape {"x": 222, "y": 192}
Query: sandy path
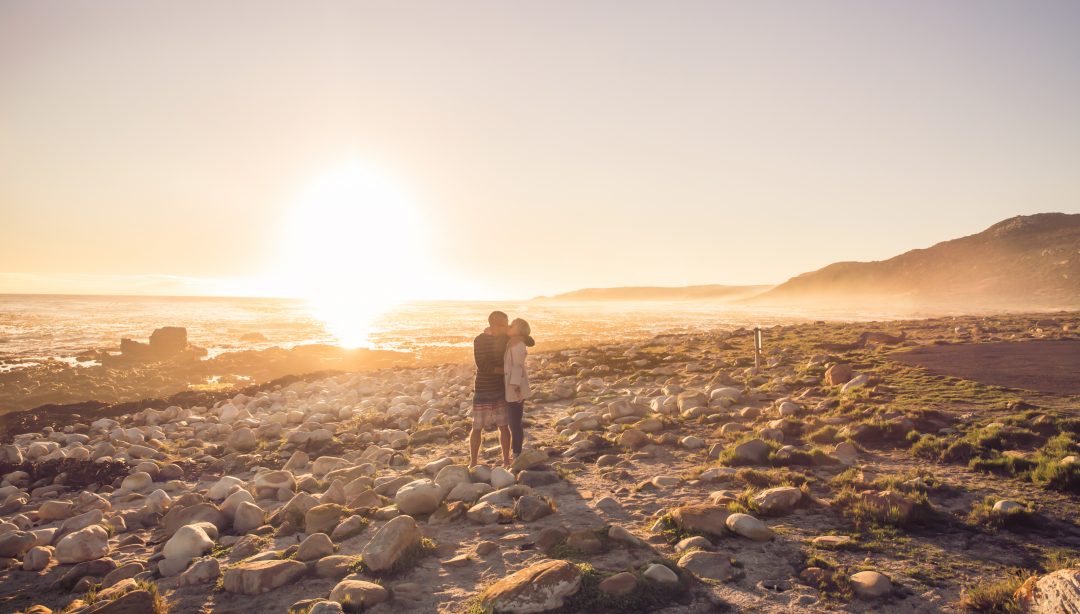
{"x": 1043, "y": 365}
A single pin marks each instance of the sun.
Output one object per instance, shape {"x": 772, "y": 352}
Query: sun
{"x": 353, "y": 248}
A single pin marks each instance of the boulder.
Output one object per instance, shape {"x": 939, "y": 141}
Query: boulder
{"x": 200, "y": 512}
{"x": 619, "y": 585}
{"x": 202, "y": 571}
{"x": 661, "y": 574}
{"x": 857, "y": 382}
{"x": 1052, "y": 593}
{"x": 390, "y": 542}
{"x": 469, "y": 492}
{"x": 314, "y": 547}
{"x": 701, "y": 518}
{"x": 37, "y": 558}
{"x": 96, "y": 568}
{"x": 1005, "y": 507}
{"x": 359, "y": 593}
{"x": 242, "y": 440}
{"x": 168, "y": 341}
{"x": 538, "y": 588}
{"x": 187, "y": 543}
{"x": 56, "y": 510}
{"x": 452, "y": 475}
{"x": 529, "y": 458}
{"x": 501, "y": 478}
{"x": 846, "y": 453}
{"x": 350, "y": 527}
{"x": 262, "y": 576}
{"x": 323, "y": 518}
{"x": 749, "y": 527}
{"x": 325, "y": 464}
{"x": 14, "y": 544}
{"x": 335, "y": 566}
{"x": 269, "y": 483}
{"x": 838, "y": 374}
{"x": 419, "y": 497}
{"x": 870, "y": 584}
{"x": 632, "y": 439}
{"x": 123, "y": 572}
{"x": 224, "y": 487}
{"x": 754, "y": 451}
{"x": 532, "y": 507}
{"x": 484, "y": 513}
{"x": 83, "y": 545}
{"x": 248, "y": 517}
{"x": 708, "y": 565}
{"x": 779, "y": 500}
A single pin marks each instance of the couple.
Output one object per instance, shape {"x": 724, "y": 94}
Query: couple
{"x": 502, "y": 384}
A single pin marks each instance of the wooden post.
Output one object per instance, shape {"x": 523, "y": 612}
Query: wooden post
{"x": 757, "y": 347}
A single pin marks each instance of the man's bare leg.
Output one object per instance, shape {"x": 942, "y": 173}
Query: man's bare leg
{"x": 474, "y": 446}
{"x": 504, "y": 442}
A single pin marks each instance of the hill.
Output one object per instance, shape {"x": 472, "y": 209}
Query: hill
{"x": 660, "y": 293}
{"x": 1028, "y": 261}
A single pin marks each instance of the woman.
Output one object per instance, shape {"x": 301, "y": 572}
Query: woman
{"x": 517, "y": 380}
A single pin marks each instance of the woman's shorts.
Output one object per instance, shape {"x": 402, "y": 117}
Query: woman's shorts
{"x": 486, "y": 416}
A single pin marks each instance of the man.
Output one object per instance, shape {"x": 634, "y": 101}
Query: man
{"x": 489, "y": 398}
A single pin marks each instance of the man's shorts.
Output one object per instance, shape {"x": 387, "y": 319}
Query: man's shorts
{"x": 486, "y": 416}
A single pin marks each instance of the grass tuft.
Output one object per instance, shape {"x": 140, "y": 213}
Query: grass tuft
{"x": 994, "y": 596}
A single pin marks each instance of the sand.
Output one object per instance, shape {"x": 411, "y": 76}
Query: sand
{"x": 1051, "y": 365}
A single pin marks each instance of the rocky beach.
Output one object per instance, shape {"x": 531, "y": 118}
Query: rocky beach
{"x": 661, "y": 474}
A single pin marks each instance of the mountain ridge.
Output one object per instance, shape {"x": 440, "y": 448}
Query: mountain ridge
{"x": 1023, "y": 261}
{"x": 659, "y": 293}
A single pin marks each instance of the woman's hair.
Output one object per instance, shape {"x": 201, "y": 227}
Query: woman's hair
{"x": 526, "y": 330}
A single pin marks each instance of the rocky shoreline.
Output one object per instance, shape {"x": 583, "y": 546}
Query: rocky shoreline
{"x": 120, "y": 378}
{"x": 662, "y": 475}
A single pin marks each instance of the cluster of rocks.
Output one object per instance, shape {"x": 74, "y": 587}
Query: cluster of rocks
{"x": 160, "y": 369}
{"x": 351, "y": 490}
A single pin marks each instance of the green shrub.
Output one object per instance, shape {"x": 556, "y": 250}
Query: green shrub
{"x": 960, "y": 451}
{"x": 825, "y": 434}
{"x": 929, "y": 447}
{"x": 994, "y": 596}
{"x": 1005, "y": 438}
{"x": 1011, "y": 466}
{"x": 1056, "y": 476}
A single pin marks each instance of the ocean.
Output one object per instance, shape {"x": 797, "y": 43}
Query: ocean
{"x": 37, "y": 327}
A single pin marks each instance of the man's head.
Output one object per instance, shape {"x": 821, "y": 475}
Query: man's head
{"x": 499, "y": 322}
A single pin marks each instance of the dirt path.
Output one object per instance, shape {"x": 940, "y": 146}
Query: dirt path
{"x": 1041, "y": 365}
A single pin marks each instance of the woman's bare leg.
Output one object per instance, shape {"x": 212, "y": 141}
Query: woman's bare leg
{"x": 504, "y": 443}
{"x": 474, "y": 446}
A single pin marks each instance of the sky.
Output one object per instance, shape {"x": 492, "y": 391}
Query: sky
{"x": 510, "y": 149}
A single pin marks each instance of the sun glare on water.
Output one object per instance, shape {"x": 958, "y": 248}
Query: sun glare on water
{"x": 352, "y": 248}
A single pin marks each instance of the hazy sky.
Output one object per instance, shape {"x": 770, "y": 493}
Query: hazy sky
{"x": 152, "y": 146}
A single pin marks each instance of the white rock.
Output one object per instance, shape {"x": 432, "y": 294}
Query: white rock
{"x": 248, "y": 517}
{"x": 661, "y": 574}
{"x": 233, "y": 501}
{"x": 137, "y": 482}
{"x": 188, "y": 542}
{"x": 202, "y": 571}
{"x": 870, "y": 584}
{"x": 501, "y": 478}
{"x": 83, "y": 545}
{"x": 858, "y": 382}
{"x": 749, "y": 527}
{"x": 418, "y": 497}
{"x": 224, "y": 487}
{"x": 37, "y": 558}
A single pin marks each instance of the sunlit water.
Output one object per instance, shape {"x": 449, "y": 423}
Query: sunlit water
{"x": 37, "y": 327}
